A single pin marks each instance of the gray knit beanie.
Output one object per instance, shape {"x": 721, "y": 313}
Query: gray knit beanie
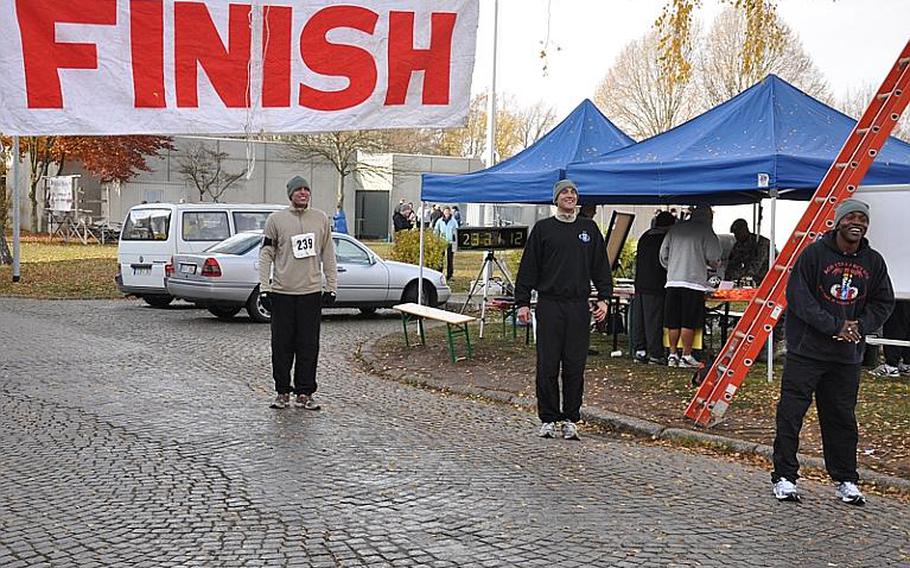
{"x": 850, "y": 206}
{"x": 561, "y": 185}
{"x": 296, "y": 183}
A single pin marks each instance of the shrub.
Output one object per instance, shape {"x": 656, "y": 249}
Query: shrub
{"x": 407, "y": 248}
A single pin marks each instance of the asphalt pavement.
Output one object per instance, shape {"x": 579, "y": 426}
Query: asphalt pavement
{"x": 131, "y": 436}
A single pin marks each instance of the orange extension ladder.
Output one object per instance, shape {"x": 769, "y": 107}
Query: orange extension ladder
{"x": 729, "y": 369}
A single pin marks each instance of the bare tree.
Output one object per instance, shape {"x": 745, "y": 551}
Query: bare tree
{"x": 534, "y": 121}
{"x": 855, "y": 102}
{"x": 721, "y": 71}
{"x": 516, "y": 128}
{"x": 204, "y": 168}
{"x": 636, "y": 94}
{"x": 341, "y": 150}
{"x": 468, "y": 141}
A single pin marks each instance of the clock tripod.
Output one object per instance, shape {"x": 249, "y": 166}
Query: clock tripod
{"x": 483, "y": 278}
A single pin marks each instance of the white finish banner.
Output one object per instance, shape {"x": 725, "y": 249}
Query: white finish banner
{"x": 95, "y": 67}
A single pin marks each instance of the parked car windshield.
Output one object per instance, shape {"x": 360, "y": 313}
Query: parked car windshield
{"x": 147, "y": 225}
{"x": 241, "y": 243}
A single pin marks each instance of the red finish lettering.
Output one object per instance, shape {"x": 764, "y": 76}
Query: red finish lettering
{"x": 435, "y": 62}
{"x": 339, "y": 60}
{"x": 43, "y": 57}
{"x": 147, "y": 49}
{"x": 276, "y": 57}
{"x": 197, "y": 43}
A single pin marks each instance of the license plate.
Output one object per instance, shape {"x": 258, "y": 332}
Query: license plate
{"x": 188, "y": 268}
{"x": 142, "y": 271}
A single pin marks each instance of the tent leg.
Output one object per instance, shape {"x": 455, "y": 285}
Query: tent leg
{"x": 771, "y": 249}
{"x": 420, "y": 270}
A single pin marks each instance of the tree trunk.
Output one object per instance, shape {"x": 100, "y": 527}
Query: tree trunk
{"x": 339, "y": 201}
{"x": 6, "y": 257}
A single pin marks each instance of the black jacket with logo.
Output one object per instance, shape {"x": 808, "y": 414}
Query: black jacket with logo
{"x": 650, "y": 275}
{"x": 828, "y": 287}
{"x": 561, "y": 260}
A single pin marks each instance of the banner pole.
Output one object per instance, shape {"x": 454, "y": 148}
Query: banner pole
{"x": 16, "y": 212}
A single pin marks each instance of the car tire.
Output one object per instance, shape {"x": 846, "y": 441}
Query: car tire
{"x": 410, "y": 294}
{"x": 255, "y": 309}
{"x": 224, "y": 313}
{"x": 368, "y": 311}
{"x": 158, "y": 301}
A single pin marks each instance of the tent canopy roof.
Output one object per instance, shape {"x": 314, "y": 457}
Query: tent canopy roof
{"x": 771, "y": 129}
{"x": 529, "y": 176}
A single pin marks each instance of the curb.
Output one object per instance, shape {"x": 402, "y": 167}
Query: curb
{"x": 619, "y": 422}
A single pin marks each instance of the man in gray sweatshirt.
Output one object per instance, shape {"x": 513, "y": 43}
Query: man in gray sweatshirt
{"x": 686, "y": 252}
{"x": 297, "y": 243}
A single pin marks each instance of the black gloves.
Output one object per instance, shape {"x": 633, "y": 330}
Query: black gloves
{"x": 328, "y": 299}
{"x": 265, "y": 300}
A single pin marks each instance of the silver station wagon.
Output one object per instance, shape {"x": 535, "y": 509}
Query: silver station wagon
{"x": 225, "y": 278}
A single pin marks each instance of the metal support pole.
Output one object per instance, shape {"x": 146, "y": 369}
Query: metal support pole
{"x": 491, "y": 100}
{"x": 420, "y": 270}
{"x": 771, "y": 249}
{"x": 17, "y": 222}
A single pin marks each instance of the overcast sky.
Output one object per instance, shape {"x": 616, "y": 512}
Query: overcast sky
{"x": 851, "y": 41}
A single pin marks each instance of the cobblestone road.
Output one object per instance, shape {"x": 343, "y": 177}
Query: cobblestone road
{"x": 141, "y": 437}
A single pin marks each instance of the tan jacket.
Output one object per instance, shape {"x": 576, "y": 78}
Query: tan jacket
{"x": 298, "y": 243}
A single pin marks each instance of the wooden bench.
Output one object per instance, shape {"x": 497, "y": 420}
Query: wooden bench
{"x": 456, "y": 325}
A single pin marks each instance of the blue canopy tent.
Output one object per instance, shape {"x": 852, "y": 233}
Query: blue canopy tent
{"x": 771, "y": 136}
{"x": 529, "y": 176}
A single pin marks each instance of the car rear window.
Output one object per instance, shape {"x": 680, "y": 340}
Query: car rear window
{"x": 147, "y": 225}
{"x": 241, "y": 243}
{"x": 250, "y": 220}
{"x": 205, "y": 226}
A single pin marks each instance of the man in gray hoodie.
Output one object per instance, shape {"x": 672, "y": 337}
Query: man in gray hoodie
{"x": 686, "y": 252}
{"x": 297, "y": 244}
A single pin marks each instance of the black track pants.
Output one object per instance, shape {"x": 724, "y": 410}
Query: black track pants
{"x": 835, "y": 386}
{"x": 897, "y": 327}
{"x": 295, "y": 340}
{"x": 563, "y": 337}
{"x": 648, "y": 314}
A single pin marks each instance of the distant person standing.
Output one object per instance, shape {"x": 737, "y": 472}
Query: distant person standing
{"x": 297, "y": 244}
{"x": 650, "y": 289}
{"x": 749, "y": 257}
{"x": 456, "y": 214}
{"x": 401, "y": 220}
{"x": 838, "y": 292}
{"x": 446, "y": 227}
{"x": 564, "y": 254}
{"x": 686, "y": 252}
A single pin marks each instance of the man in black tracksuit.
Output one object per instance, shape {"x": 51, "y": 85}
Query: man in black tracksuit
{"x": 650, "y": 288}
{"x": 839, "y": 291}
{"x": 563, "y": 256}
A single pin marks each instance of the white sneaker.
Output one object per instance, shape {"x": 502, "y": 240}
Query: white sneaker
{"x": 688, "y": 362}
{"x": 785, "y": 490}
{"x": 570, "y": 431}
{"x": 673, "y": 361}
{"x": 547, "y": 430}
{"x": 885, "y": 371}
{"x": 848, "y": 492}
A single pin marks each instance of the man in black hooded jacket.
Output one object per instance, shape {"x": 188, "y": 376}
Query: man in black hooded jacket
{"x": 838, "y": 292}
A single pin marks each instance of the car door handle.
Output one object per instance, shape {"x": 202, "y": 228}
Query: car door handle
{"x": 341, "y": 269}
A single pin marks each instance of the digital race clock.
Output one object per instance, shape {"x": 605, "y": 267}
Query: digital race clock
{"x": 492, "y": 238}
